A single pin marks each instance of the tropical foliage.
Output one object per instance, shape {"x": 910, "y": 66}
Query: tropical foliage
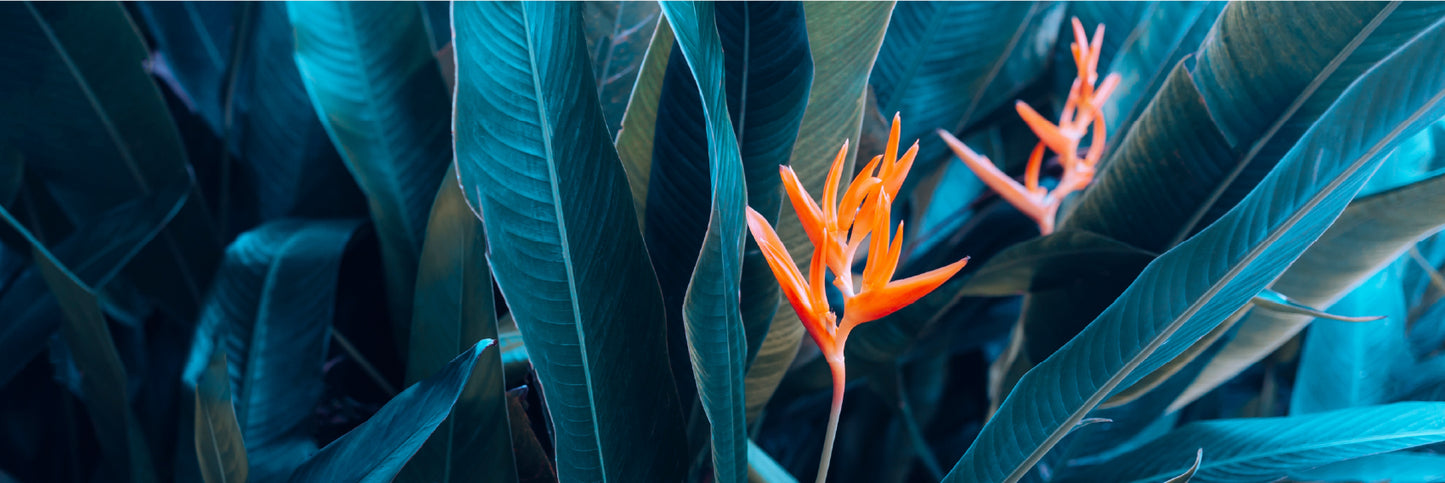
{"x": 583, "y": 241}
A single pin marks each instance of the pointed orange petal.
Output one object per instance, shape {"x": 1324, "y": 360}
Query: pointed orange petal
{"x": 1080, "y": 39}
{"x": 889, "y": 259}
{"x": 808, "y": 213}
{"x": 1005, "y": 186}
{"x": 1031, "y": 171}
{"x": 890, "y": 151}
{"x": 1095, "y": 47}
{"x": 830, "y": 188}
{"x": 789, "y": 278}
{"x": 857, "y": 190}
{"x": 1046, "y": 131}
{"x": 1096, "y": 146}
{"x": 878, "y": 244}
{"x": 875, "y": 304}
{"x": 894, "y": 181}
{"x": 1105, "y": 89}
{"x": 1067, "y": 117}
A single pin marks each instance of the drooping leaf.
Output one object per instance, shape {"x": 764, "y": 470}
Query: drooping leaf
{"x": 271, "y": 311}
{"x": 1267, "y": 449}
{"x": 618, "y": 38}
{"x": 85, "y": 332}
{"x": 373, "y": 79}
{"x": 844, "y": 41}
{"x": 455, "y": 309}
{"x": 1167, "y": 32}
{"x": 377, "y": 450}
{"x": 218, "y": 439}
{"x": 1277, "y": 302}
{"x": 533, "y": 154}
{"x": 1188, "y": 474}
{"x": 1372, "y": 232}
{"x": 945, "y": 65}
{"x": 1396, "y": 467}
{"x": 91, "y": 123}
{"x": 1176, "y": 300}
{"x": 634, "y": 142}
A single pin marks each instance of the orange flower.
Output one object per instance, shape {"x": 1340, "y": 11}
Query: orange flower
{"x": 837, "y": 230}
{"x": 1080, "y": 111}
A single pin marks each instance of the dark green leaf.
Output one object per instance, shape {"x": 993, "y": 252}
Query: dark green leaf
{"x": 271, "y": 311}
{"x": 843, "y": 39}
{"x": 370, "y": 72}
{"x": 218, "y": 440}
{"x": 945, "y": 65}
{"x": 634, "y": 142}
{"x": 91, "y": 123}
{"x": 454, "y": 309}
{"x": 1052, "y": 261}
{"x": 1167, "y": 32}
{"x": 104, "y": 385}
{"x": 1176, "y": 300}
{"x": 1267, "y": 449}
{"x": 533, "y": 154}
{"x": 376, "y": 450}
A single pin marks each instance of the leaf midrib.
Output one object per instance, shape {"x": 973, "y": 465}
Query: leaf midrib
{"x": 545, "y": 129}
{"x": 1224, "y": 464}
{"x": 1214, "y": 289}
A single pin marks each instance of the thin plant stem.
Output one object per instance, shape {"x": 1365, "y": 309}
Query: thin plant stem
{"x": 840, "y": 381}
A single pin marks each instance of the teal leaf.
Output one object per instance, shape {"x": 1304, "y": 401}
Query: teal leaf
{"x": 1267, "y": 449}
{"x": 698, "y": 89}
{"x": 90, "y": 122}
{"x": 762, "y": 468}
{"x": 1371, "y": 233}
{"x": 375, "y": 451}
{"x": 371, "y": 74}
{"x": 1053, "y": 261}
{"x": 1176, "y": 300}
{"x": 1352, "y": 364}
{"x": 1396, "y": 467}
{"x": 763, "y": 70}
{"x": 454, "y": 309}
{"x": 219, "y": 444}
{"x": 271, "y": 312}
{"x": 945, "y": 65}
{"x": 533, "y": 155}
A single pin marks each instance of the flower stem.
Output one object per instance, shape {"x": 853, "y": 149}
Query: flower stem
{"x": 840, "y": 381}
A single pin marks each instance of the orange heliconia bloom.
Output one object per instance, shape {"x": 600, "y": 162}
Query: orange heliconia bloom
{"x": 837, "y": 231}
{"x": 1080, "y": 111}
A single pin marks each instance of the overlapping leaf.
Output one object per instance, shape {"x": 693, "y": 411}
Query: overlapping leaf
{"x": 1176, "y": 300}
{"x": 371, "y": 75}
{"x": 534, "y": 155}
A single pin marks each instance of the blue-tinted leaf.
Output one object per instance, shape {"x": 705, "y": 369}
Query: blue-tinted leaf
{"x": 92, "y": 125}
{"x": 1370, "y": 234}
{"x": 843, "y": 39}
{"x": 1397, "y": 467}
{"x": 1417, "y": 159}
{"x": 1176, "y": 300}
{"x": 763, "y": 72}
{"x": 455, "y": 309}
{"x": 370, "y": 72}
{"x": 762, "y": 468}
{"x": 1351, "y": 364}
{"x": 945, "y": 65}
{"x": 376, "y": 450}
{"x": 271, "y": 311}
{"x": 533, "y": 154}
{"x": 1267, "y": 449}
